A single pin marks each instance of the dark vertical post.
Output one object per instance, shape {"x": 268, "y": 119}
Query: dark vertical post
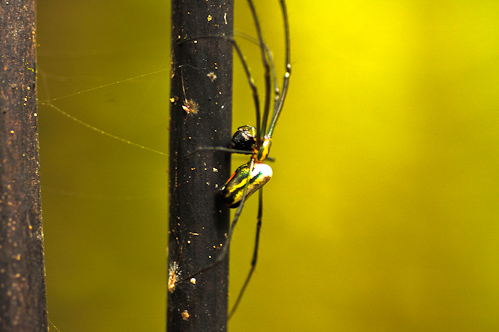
{"x": 22, "y": 273}
{"x": 201, "y": 104}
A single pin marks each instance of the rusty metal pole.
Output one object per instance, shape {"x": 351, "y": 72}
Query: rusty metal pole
{"x": 23, "y": 305}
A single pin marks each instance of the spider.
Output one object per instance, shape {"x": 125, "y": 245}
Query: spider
{"x": 254, "y": 141}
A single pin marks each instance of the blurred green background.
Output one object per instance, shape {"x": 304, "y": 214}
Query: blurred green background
{"x": 382, "y": 214}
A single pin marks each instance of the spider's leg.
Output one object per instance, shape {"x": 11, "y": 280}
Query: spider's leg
{"x": 255, "y": 254}
{"x": 226, "y": 245}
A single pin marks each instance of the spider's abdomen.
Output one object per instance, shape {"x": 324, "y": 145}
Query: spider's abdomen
{"x": 232, "y": 191}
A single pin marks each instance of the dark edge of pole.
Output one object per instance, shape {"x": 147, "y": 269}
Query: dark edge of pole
{"x": 23, "y": 305}
{"x": 200, "y": 116}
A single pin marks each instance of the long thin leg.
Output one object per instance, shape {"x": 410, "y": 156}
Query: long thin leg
{"x": 266, "y": 57}
{"x": 228, "y": 150}
{"x": 255, "y": 254}
{"x": 266, "y": 74}
{"x": 280, "y": 103}
{"x": 252, "y": 86}
{"x": 226, "y": 245}
{"x": 251, "y": 82}
{"x": 219, "y": 148}
{"x": 252, "y": 39}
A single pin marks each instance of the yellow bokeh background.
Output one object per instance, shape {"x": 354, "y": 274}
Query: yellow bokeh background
{"x": 383, "y": 211}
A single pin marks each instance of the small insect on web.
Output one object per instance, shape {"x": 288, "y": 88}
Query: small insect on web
{"x": 254, "y": 141}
